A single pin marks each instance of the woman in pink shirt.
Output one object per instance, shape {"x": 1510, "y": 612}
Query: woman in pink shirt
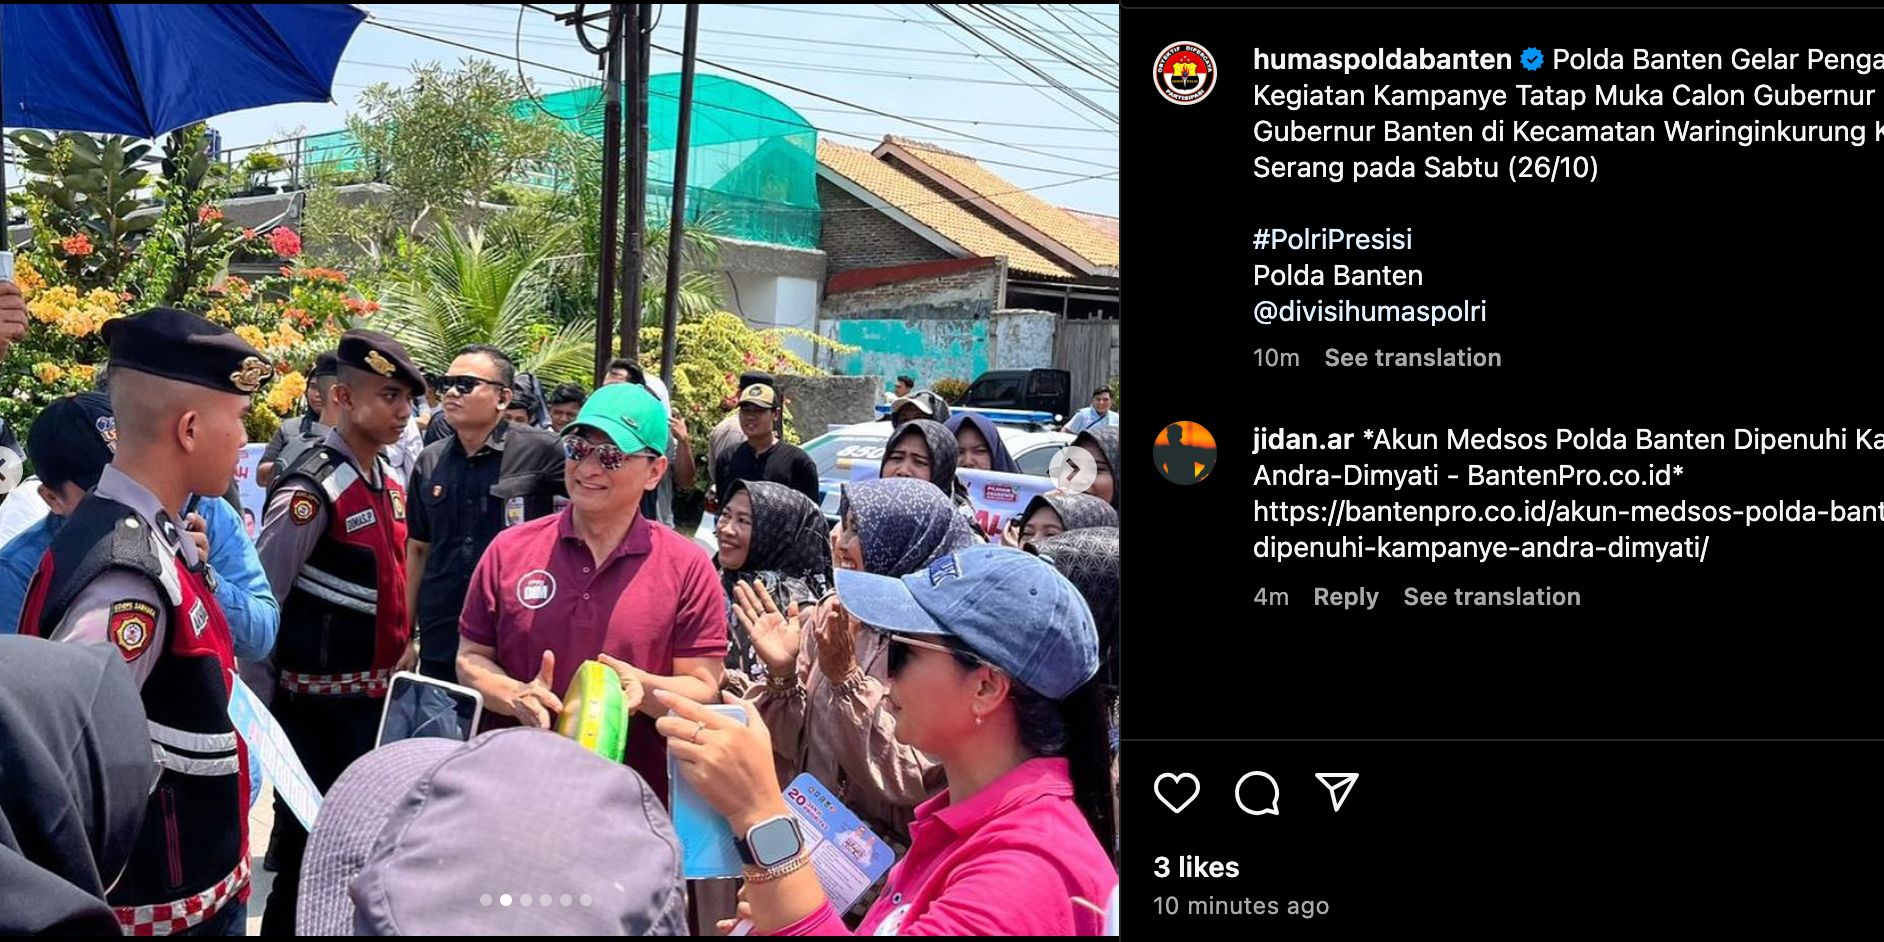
{"x": 991, "y": 661}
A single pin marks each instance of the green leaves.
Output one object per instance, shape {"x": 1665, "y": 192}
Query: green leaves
{"x": 467, "y": 289}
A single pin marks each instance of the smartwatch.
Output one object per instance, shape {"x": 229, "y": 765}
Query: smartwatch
{"x": 771, "y": 842}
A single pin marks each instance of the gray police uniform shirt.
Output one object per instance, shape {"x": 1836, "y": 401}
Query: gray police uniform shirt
{"x": 87, "y": 620}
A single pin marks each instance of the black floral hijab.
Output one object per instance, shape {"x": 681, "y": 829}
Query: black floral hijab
{"x": 944, "y": 451}
{"x": 789, "y": 557}
{"x": 903, "y": 524}
{"x": 1077, "y": 511}
{"x": 789, "y": 537}
{"x": 1089, "y": 559}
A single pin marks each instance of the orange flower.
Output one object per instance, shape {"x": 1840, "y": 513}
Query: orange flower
{"x": 287, "y": 390}
{"x": 252, "y": 336}
{"x": 208, "y": 214}
{"x": 77, "y": 246}
{"x": 28, "y": 278}
{"x": 48, "y": 373}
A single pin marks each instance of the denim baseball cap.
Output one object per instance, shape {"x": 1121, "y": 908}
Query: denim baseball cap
{"x": 1012, "y": 608}
{"x": 631, "y": 416}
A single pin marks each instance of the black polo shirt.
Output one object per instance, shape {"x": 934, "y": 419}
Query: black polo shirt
{"x": 459, "y": 503}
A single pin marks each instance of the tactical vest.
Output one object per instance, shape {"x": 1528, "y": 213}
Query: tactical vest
{"x": 191, "y": 858}
{"x": 344, "y": 623}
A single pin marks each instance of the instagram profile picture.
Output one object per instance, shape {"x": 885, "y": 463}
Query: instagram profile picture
{"x": 1185, "y": 73}
{"x": 1185, "y": 452}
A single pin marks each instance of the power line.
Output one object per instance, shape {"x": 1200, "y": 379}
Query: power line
{"x": 1095, "y": 20}
{"x": 802, "y": 91}
{"x": 974, "y": 199}
{"x": 1105, "y": 57}
{"x": 1023, "y": 63}
{"x": 476, "y": 33}
{"x": 771, "y": 39}
{"x": 524, "y": 85}
{"x": 1082, "y": 36}
{"x": 1057, "y": 102}
{"x": 998, "y": 124}
{"x": 1055, "y": 52}
{"x": 439, "y": 39}
{"x": 881, "y": 113}
{"x": 487, "y": 31}
{"x": 852, "y": 16}
{"x": 949, "y": 138}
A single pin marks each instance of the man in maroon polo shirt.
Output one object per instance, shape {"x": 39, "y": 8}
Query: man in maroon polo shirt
{"x": 597, "y": 580}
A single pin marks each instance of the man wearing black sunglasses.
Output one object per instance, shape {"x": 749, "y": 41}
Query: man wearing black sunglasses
{"x": 487, "y": 475}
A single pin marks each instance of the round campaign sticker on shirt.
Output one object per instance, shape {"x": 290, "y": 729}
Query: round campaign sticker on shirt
{"x": 536, "y": 588}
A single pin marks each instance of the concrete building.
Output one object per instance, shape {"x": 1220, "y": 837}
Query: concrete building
{"x": 941, "y": 268}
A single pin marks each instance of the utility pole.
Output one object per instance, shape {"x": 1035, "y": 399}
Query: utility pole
{"x": 676, "y": 229}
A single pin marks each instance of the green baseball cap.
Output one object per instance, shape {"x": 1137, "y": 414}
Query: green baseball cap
{"x": 629, "y": 415}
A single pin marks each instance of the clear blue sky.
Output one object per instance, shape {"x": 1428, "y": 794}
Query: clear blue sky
{"x": 921, "y": 66}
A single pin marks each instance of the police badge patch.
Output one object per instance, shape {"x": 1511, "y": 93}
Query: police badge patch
{"x": 398, "y": 505}
{"x": 302, "y": 507}
{"x": 132, "y": 623}
{"x": 199, "y": 617}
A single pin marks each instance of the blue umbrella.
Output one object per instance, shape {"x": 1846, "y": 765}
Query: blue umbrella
{"x": 148, "y": 69}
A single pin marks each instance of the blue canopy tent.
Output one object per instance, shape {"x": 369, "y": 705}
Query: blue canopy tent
{"x": 147, "y": 69}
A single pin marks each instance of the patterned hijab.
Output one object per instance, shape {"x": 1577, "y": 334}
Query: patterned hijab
{"x": 943, "y": 451}
{"x": 903, "y": 524}
{"x": 1077, "y": 511}
{"x": 1107, "y": 438}
{"x": 789, "y": 537}
{"x": 1089, "y": 559}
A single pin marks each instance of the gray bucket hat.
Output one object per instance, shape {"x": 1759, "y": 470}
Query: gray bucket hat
{"x": 518, "y": 832}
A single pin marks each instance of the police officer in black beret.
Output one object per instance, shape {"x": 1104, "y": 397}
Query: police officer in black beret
{"x": 333, "y": 543}
{"x": 291, "y": 438}
{"x": 122, "y": 572}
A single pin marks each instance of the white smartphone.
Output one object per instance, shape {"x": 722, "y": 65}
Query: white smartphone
{"x": 419, "y": 707}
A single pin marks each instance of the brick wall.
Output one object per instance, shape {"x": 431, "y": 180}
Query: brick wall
{"x": 972, "y": 293}
{"x": 858, "y": 236}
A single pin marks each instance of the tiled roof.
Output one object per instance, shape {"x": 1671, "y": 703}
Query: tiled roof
{"x": 897, "y": 187}
{"x": 1056, "y": 223}
{"x": 1106, "y": 224}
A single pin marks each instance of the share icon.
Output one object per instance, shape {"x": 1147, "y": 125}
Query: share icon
{"x": 1339, "y": 784}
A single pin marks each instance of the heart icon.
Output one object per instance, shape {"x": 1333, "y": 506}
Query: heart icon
{"x": 1178, "y": 808}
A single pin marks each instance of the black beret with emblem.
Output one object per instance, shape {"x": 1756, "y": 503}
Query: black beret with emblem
{"x": 379, "y": 354}
{"x": 185, "y": 347}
